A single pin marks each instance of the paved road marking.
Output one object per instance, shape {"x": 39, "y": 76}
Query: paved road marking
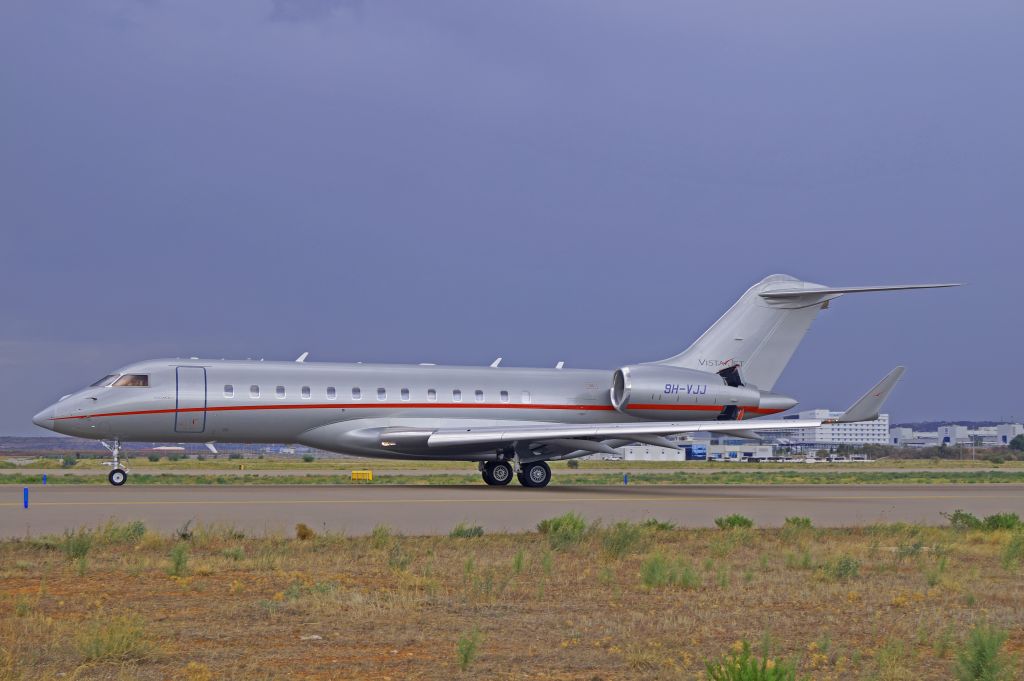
{"x": 278, "y": 502}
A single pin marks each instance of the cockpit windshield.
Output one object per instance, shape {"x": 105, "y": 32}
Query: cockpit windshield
{"x": 132, "y": 381}
{"x": 104, "y": 381}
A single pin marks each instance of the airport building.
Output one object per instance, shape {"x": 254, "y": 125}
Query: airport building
{"x": 831, "y": 435}
{"x": 956, "y": 435}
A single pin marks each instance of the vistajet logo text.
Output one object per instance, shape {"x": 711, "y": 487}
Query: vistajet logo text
{"x": 719, "y": 363}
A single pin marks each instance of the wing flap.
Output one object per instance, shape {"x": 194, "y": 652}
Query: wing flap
{"x": 448, "y": 437}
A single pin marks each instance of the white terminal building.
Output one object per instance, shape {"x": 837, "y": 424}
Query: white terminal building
{"x": 830, "y": 435}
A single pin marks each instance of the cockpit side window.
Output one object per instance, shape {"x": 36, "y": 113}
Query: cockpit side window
{"x": 104, "y": 381}
{"x": 132, "y": 381}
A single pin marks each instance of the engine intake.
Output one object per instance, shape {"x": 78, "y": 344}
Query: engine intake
{"x": 673, "y": 394}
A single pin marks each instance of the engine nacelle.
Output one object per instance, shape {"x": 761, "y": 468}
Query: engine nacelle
{"x": 672, "y": 394}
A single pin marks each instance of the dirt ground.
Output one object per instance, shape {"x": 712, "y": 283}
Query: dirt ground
{"x": 622, "y": 602}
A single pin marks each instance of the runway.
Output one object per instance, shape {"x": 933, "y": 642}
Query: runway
{"x": 356, "y": 510}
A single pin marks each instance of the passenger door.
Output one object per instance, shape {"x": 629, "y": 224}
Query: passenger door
{"x": 190, "y": 404}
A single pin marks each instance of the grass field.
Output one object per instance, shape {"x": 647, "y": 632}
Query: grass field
{"x": 748, "y": 476}
{"x": 648, "y": 601}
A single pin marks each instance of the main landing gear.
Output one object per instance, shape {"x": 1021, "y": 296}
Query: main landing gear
{"x": 537, "y": 474}
{"x": 118, "y": 475}
{"x": 497, "y": 473}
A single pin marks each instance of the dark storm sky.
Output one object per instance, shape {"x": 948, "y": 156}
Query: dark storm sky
{"x": 592, "y": 182}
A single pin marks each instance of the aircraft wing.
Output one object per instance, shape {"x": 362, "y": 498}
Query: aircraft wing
{"x": 448, "y": 437}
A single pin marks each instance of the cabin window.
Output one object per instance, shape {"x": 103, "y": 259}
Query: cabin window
{"x": 357, "y": 394}
{"x": 132, "y": 381}
{"x": 456, "y": 395}
{"x": 305, "y": 392}
{"x": 229, "y": 390}
{"x": 254, "y": 391}
{"x": 332, "y": 393}
{"x": 405, "y": 394}
{"x": 382, "y": 394}
{"x": 479, "y": 395}
{"x": 431, "y": 395}
{"x": 504, "y": 396}
{"x": 104, "y": 381}
{"x": 525, "y": 397}
{"x": 281, "y": 392}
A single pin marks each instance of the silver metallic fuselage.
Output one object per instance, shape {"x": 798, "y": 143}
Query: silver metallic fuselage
{"x": 343, "y": 407}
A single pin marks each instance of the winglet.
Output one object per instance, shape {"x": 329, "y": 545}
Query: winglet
{"x": 868, "y": 406}
{"x": 302, "y": 358}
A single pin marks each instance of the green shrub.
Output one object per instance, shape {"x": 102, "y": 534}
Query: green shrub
{"x": 466, "y": 648}
{"x": 842, "y": 568}
{"x": 962, "y": 520}
{"x": 742, "y": 665}
{"x": 153, "y": 457}
{"x": 77, "y": 544}
{"x": 734, "y": 521}
{"x": 622, "y": 538}
{"x": 116, "y": 639}
{"x": 798, "y": 523}
{"x": 235, "y": 553}
{"x": 380, "y": 536}
{"x": 658, "y": 525}
{"x": 67, "y": 461}
{"x": 657, "y": 571}
{"x": 518, "y": 561}
{"x": 573, "y": 463}
{"x": 235, "y": 456}
{"x": 982, "y": 658}
{"x": 179, "y": 559}
{"x": 563, "y": 531}
{"x": 308, "y": 458}
{"x": 1001, "y": 521}
{"x": 129, "y": 533}
{"x": 464, "y": 531}
{"x": 1013, "y": 552}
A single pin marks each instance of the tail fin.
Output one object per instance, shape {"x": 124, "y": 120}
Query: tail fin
{"x": 762, "y": 330}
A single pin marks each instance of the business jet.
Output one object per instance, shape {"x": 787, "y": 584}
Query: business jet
{"x": 509, "y": 421}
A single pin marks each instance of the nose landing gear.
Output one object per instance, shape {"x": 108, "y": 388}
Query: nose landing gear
{"x": 118, "y": 475}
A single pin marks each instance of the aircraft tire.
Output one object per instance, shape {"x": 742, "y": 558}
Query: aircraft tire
{"x": 535, "y": 475}
{"x": 497, "y": 473}
{"x": 117, "y": 477}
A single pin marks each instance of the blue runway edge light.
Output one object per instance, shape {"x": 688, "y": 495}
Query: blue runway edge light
{"x": 26, "y": 497}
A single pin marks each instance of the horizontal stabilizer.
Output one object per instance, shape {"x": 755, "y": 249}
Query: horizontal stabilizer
{"x": 868, "y": 406}
{"x": 809, "y": 292}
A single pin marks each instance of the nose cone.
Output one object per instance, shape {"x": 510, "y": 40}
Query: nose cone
{"x": 44, "y": 419}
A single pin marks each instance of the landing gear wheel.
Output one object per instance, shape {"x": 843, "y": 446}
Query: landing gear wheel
{"x": 117, "y": 477}
{"x": 497, "y": 473}
{"x": 535, "y": 474}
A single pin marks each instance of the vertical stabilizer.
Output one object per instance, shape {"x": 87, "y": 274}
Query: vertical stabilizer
{"x": 762, "y": 330}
